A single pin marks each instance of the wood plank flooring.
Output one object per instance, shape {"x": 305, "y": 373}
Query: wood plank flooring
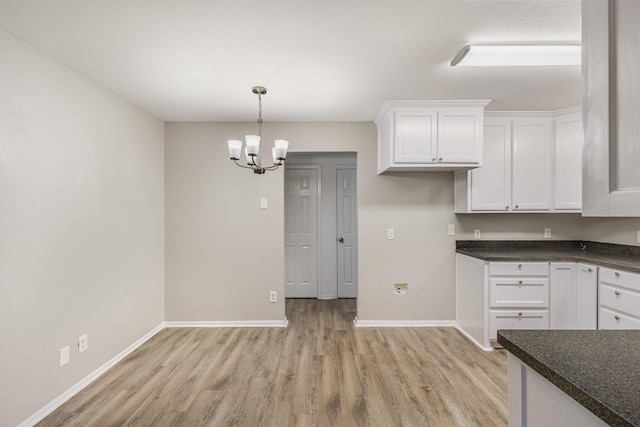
{"x": 320, "y": 371}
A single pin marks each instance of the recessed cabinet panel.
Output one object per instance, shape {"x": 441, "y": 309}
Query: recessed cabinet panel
{"x": 517, "y": 319}
{"x": 457, "y": 136}
{"x": 415, "y": 136}
{"x": 531, "y": 164}
{"x": 492, "y": 182}
{"x": 587, "y": 297}
{"x": 568, "y": 162}
{"x": 519, "y": 292}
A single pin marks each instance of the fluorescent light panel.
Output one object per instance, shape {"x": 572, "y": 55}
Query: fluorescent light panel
{"x": 517, "y": 56}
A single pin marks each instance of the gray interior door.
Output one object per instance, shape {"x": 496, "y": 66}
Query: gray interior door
{"x": 347, "y": 231}
{"x": 301, "y": 232}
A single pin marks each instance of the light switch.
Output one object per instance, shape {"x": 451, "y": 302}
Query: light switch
{"x": 451, "y": 230}
{"x": 263, "y": 203}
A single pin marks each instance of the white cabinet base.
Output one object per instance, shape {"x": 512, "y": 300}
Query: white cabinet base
{"x": 535, "y": 402}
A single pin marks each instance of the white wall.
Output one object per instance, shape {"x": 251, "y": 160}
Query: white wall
{"x": 81, "y": 226}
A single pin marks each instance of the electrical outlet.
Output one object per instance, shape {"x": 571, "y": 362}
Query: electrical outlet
{"x": 451, "y": 230}
{"x": 400, "y": 288}
{"x": 83, "y": 343}
{"x": 64, "y": 356}
{"x": 391, "y": 234}
{"x": 273, "y": 296}
{"x": 547, "y": 233}
{"x": 477, "y": 234}
{"x": 263, "y": 203}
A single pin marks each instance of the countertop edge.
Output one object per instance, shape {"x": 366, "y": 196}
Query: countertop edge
{"x": 585, "y": 399}
{"x": 555, "y": 257}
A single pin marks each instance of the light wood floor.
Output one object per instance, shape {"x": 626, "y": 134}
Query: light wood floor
{"x": 319, "y": 371}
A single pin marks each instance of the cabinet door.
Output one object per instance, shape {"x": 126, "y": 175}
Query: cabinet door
{"x": 568, "y": 162}
{"x": 459, "y": 135}
{"x": 610, "y": 84}
{"x": 491, "y": 184}
{"x": 562, "y": 295}
{"x": 531, "y": 164}
{"x": 415, "y": 135}
{"x": 586, "y": 297}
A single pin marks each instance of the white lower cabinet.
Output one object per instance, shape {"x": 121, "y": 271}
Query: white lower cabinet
{"x": 586, "y": 296}
{"x": 619, "y": 299}
{"x": 538, "y": 295}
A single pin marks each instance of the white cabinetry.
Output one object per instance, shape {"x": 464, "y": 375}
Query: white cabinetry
{"x": 568, "y": 161}
{"x": 436, "y": 135}
{"x": 528, "y": 295}
{"x": 518, "y": 296}
{"x": 586, "y": 296}
{"x": 573, "y": 296}
{"x": 619, "y": 299}
{"x": 532, "y": 161}
{"x": 531, "y": 164}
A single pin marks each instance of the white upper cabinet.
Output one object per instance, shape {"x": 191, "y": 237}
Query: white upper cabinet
{"x": 531, "y": 164}
{"x": 430, "y": 135}
{"x": 568, "y": 161}
{"x": 610, "y": 68}
{"x": 415, "y": 135}
{"x": 492, "y": 182}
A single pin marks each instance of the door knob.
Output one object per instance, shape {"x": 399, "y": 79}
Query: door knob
{"x": 340, "y": 239}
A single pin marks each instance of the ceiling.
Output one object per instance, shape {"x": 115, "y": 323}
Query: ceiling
{"x": 321, "y": 60}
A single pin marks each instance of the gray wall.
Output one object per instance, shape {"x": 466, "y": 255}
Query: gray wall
{"x": 81, "y": 229}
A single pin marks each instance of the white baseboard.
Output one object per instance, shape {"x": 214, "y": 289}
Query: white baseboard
{"x": 463, "y": 332}
{"x": 58, "y": 401}
{"x": 404, "y": 323}
{"x": 230, "y": 324}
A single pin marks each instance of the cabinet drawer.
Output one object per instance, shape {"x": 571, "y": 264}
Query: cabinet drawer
{"x": 609, "y": 319}
{"x": 620, "y": 299}
{"x": 518, "y": 269}
{"x": 530, "y": 292}
{"x": 514, "y": 319}
{"x": 620, "y": 278}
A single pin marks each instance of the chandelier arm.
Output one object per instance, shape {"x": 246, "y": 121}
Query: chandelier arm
{"x": 242, "y": 166}
{"x": 274, "y": 167}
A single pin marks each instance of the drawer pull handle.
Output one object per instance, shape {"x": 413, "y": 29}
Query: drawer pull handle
{"x": 520, "y": 314}
{"x": 589, "y": 269}
{"x": 617, "y": 274}
{"x": 616, "y": 317}
{"x": 617, "y": 293}
{"x": 519, "y": 266}
{"x": 519, "y": 282}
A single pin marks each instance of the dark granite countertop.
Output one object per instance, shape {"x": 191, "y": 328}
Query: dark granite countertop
{"x": 623, "y": 257}
{"x": 599, "y": 369}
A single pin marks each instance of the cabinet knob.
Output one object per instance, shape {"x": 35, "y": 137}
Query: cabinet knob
{"x": 519, "y": 282}
{"x": 433, "y": 159}
{"x": 440, "y": 159}
{"x": 589, "y": 270}
{"x": 616, "y": 317}
{"x": 517, "y": 206}
{"x": 617, "y": 293}
{"x": 520, "y": 314}
{"x": 507, "y": 207}
{"x": 519, "y": 266}
{"x": 617, "y": 274}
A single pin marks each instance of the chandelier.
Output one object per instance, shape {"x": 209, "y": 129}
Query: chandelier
{"x": 252, "y": 149}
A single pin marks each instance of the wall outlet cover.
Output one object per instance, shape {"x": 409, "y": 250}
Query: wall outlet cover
{"x": 273, "y": 296}
{"x": 83, "y": 343}
{"x": 391, "y": 234}
{"x": 451, "y": 230}
{"x": 547, "y": 233}
{"x": 400, "y": 288}
{"x": 64, "y": 356}
{"x": 477, "y": 234}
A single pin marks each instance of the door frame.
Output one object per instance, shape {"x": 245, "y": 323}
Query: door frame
{"x": 318, "y": 170}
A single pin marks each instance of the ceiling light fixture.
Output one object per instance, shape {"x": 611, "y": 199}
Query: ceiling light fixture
{"x": 517, "y": 56}
{"x": 252, "y": 149}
